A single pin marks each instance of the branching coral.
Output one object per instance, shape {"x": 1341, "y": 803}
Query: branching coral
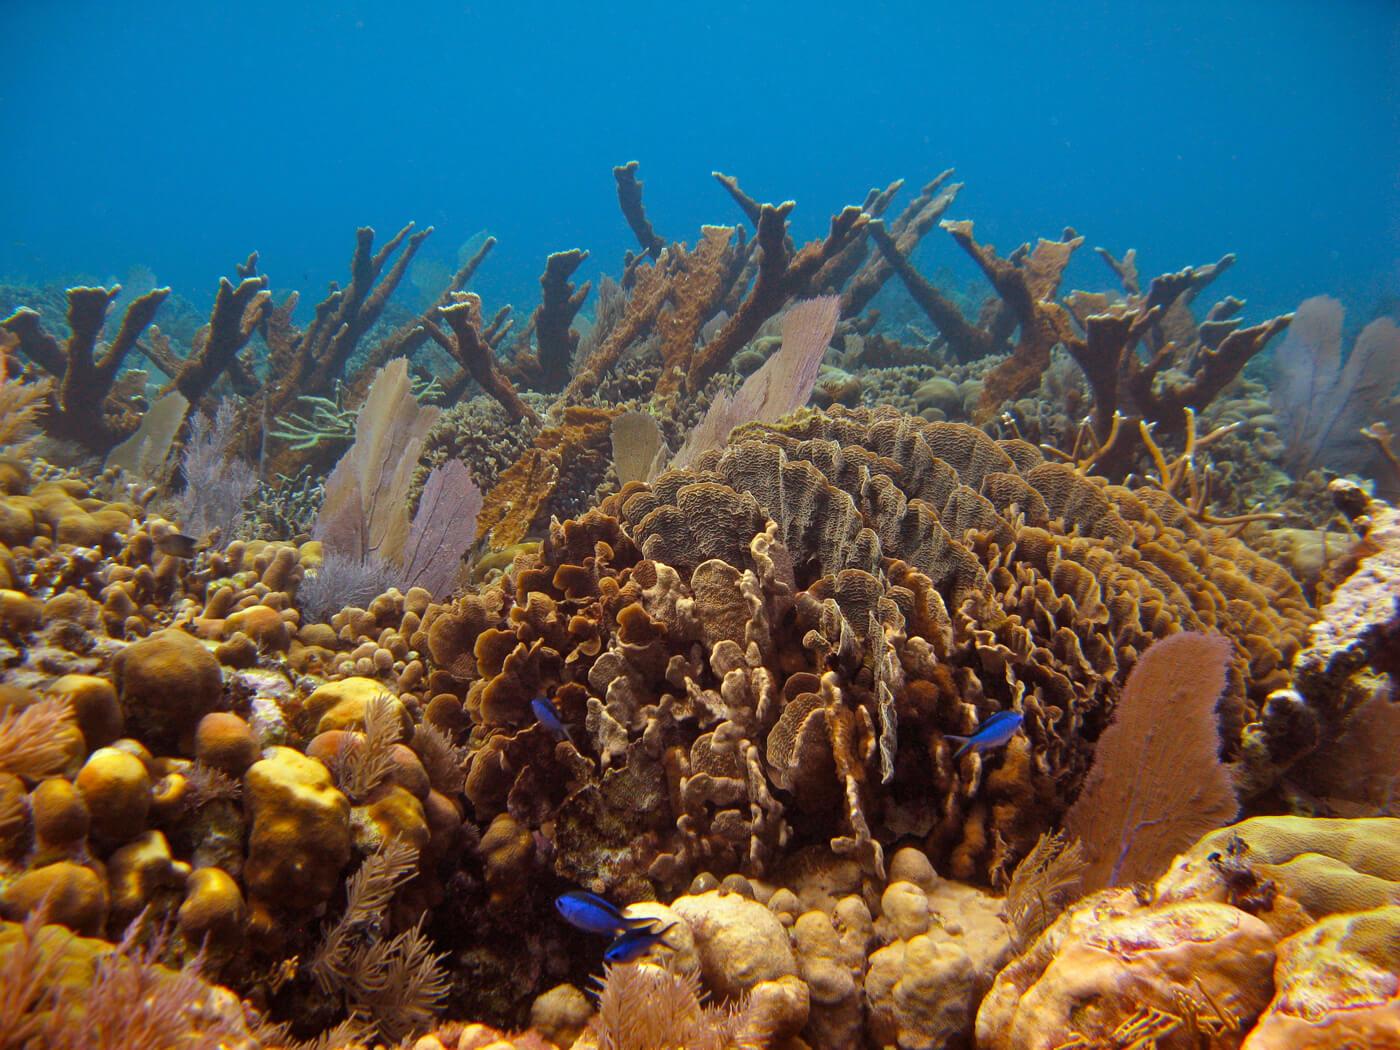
{"x": 84, "y": 408}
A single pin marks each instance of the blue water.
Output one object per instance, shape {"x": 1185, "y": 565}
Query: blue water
{"x": 179, "y": 136}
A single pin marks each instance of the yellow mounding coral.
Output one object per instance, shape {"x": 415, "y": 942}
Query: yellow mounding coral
{"x": 1337, "y": 984}
{"x": 1221, "y": 951}
{"x": 1326, "y": 865}
{"x": 300, "y": 837}
{"x": 167, "y": 683}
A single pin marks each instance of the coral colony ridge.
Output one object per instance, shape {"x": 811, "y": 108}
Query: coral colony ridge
{"x": 767, "y": 646}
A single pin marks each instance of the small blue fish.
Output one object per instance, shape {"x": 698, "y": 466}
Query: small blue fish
{"x": 593, "y": 914}
{"x": 996, "y": 731}
{"x": 633, "y": 944}
{"x": 547, "y": 716}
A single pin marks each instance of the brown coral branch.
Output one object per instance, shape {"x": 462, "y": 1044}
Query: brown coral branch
{"x": 918, "y": 217}
{"x": 966, "y": 341}
{"x": 1102, "y": 355}
{"x": 750, "y": 207}
{"x": 237, "y": 314}
{"x": 629, "y": 198}
{"x": 559, "y": 304}
{"x": 83, "y": 409}
{"x": 781, "y": 276}
{"x": 843, "y": 266}
{"x": 1214, "y": 370}
{"x": 411, "y": 335}
{"x": 311, "y": 361}
{"x": 650, "y": 289}
{"x": 702, "y": 279}
{"x": 470, "y": 348}
{"x": 1026, "y": 282}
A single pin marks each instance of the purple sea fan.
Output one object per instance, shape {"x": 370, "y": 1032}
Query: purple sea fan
{"x": 443, "y": 528}
{"x": 217, "y": 484}
{"x": 1323, "y": 403}
{"x": 782, "y": 385}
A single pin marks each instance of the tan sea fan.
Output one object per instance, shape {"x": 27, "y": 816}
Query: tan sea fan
{"x": 1157, "y": 783}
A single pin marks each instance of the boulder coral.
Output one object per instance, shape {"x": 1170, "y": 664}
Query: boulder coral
{"x": 299, "y": 840}
{"x": 1222, "y": 948}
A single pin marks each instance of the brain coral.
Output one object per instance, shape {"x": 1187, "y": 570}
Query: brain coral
{"x": 769, "y": 648}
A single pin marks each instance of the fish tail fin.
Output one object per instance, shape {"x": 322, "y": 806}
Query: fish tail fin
{"x": 966, "y": 742}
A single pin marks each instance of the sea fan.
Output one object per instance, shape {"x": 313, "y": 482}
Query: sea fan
{"x": 1323, "y": 403}
{"x": 782, "y": 385}
{"x": 1157, "y": 783}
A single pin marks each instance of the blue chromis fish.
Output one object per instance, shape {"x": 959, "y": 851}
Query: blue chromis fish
{"x": 996, "y": 731}
{"x": 593, "y": 914}
{"x": 633, "y": 944}
{"x": 547, "y": 716}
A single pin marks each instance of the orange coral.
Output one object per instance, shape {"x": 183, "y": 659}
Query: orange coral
{"x": 579, "y": 444}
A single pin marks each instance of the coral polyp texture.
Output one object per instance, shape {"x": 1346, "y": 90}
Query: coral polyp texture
{"x": 1025, "y": 684}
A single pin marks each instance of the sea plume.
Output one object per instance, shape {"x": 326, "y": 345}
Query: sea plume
{"x": 1157, "y": 783}
{"x": 646, "y": 1007}
{"x": 1042, "y": 886}
{"x": 217, "y": 482}
{"x": 20, "y": 404}
{"x": 39, "y": 740}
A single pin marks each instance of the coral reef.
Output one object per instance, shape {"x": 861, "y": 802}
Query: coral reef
{"x": 853, "y": 701}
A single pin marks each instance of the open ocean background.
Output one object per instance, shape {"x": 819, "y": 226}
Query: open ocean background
{"x": 170, "y": 139}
